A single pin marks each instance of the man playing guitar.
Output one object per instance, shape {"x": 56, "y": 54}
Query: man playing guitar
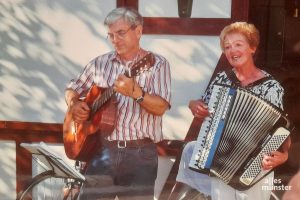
{"x": 125, "y": 163}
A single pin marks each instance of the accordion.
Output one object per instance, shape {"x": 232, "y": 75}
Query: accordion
{"x": 232, "y": 141}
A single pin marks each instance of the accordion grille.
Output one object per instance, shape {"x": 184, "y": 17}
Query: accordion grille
{"x": 249, "y": 120}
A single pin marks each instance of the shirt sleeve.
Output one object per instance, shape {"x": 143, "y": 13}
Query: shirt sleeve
{"x": 85, "y": 80}
{"x": 273, "y": 93}
{"x": 161, "y": 84}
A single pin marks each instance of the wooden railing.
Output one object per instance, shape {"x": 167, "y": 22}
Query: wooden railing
{"x": 28, "y": 132}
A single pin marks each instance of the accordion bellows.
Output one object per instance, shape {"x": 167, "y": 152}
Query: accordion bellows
{"x": 232, "y": 141}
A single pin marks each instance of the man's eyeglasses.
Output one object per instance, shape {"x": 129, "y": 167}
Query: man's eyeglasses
{"x": 120, "y": 34}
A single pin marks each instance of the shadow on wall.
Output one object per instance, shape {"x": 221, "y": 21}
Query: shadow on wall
{"x": 40, "y": 52}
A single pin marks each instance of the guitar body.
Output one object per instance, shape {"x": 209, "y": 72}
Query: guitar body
{"x": 81, "y": 139}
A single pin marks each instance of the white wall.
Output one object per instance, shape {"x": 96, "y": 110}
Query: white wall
{"x": 8, "y": 170}
{"x": 43, "y": 45}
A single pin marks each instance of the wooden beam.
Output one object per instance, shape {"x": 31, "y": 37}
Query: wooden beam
{"x": 128, "y": 3}
{"x": 184, "y": 26}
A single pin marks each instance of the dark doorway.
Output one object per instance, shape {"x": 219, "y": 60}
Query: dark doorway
{"x": 279, "y": 54}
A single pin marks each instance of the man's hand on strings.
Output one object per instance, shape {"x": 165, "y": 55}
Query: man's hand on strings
{"x": 124, "y": 85}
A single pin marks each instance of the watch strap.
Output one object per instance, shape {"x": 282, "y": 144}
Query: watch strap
{"x": 140, "y": 98}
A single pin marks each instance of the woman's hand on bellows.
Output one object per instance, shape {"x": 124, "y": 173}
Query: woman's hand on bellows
{"x": 275, "y": 159}
{"x": 199, "y": 109}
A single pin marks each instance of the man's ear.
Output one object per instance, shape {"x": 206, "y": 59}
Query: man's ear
{"x": 139, "y": 31}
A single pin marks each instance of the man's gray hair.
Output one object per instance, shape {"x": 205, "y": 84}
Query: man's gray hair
{"x": 130, "y": 15}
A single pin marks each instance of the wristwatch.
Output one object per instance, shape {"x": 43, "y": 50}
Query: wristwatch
{"x": 140, "y": 98}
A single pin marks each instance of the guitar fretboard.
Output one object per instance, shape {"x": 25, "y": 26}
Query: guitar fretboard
{"x": 102, "y": 99}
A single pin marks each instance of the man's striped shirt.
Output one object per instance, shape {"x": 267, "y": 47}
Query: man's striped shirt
{"x": 133, "y": 122}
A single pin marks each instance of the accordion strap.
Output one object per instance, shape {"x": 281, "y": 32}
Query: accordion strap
{"x": 236, "y": 83}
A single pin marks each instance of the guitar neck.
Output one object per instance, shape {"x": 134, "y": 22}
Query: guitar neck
{"x": 105, "y": 96}
{"x": 102, "y": 99}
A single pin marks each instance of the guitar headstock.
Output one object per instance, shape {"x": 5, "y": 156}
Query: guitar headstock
{"x": 142, "y": 65}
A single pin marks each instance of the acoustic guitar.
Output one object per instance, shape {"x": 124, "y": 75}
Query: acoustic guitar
{"x": 80, "y": 140}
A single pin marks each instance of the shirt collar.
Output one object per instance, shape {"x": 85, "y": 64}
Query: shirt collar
{"x": 116, "y": 57}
